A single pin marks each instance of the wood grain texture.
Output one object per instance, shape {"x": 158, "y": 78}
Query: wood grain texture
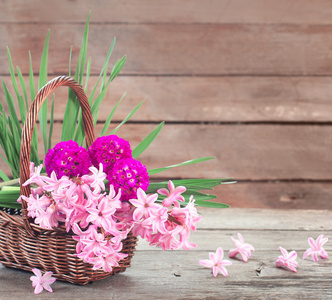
{"x": 250, "y": 152}
{"x": 172, "y": 11}
{"x": 277, "y": 195}
{"x": 156, "y": 274}
{"x": 179, "y": 49}
{"x": 210, "y": 99}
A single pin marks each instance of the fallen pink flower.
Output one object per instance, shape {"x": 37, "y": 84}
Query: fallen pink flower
{"x": 241, "y": 247}
{"x": 216, "y": 262}
{"x": 316, "y": 248}
{"x": 40, "y": 282}
{"x": 288, "y": 260}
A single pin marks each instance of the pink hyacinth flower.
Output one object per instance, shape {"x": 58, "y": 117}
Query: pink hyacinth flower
{"x": 173, "y": 195}
{"x": 216, "y": 262}
{"x": 40, "y": 282}
{"x": 287, "y": 260}
{"x": 241, "y": 247}
{"x": 316, "y": 248}
{"x": 102, "y": 216}
{"x": 144, "y": 204}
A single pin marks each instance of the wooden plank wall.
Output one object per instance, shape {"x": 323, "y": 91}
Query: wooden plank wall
{"x": 246, "y": 81}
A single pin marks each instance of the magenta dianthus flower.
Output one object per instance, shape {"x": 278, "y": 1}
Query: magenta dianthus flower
{"x": 128, "y": 175}
{"x": 67, "y": 159}
{"x": 108, "y": 150}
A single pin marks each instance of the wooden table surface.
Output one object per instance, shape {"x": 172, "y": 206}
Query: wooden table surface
{"x": 178, "y": 275}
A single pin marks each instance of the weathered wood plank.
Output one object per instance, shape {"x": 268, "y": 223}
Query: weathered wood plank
{"x": 211, "y": 99}
{"x": 282, "y": 195}
{"x": 178, "y": 275}
{"x": 265, "y": 219}
{"x": 244, "y": 152}
{"x": 180, "y": 49}
{"x": 193, "y": 11}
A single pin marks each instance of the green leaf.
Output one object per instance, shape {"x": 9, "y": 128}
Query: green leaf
{"x": 95, "y": 107}
{"x": 31, "y": 80}
{"x": 211, "y": 204}
{"x": 203, "y": 183}
{"x": 109, "y": 119}
{"x": 128, "y": 117}
{"x": 51, "y": 125}
{"x": 8, "y": 198}
{"x": 118, "y": 67}
{"x": 88, "y": 67}
{"x": 15, "y": 173}
{"x": 24, "y": 88}
{"x": 42, "y": 82}
{"x": 185, "y": 163}
{"x": 79, "y": 137}
{"x": 147, "y": 141}
{"x": 34, "y": 140}
{"x": 11, "y": 107}
{"x": 20, "y": 102}
{"x": 3, "y": 176}
{"x": 70, "y": 54}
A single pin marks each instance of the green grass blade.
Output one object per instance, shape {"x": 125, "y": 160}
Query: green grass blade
{"x": 14, "y": 166}
{"x": 84, "y": 49}
{"x": 70, "y": 54}
{"x": 109, "y": 118}
{"x": 42, "y": 82}
{"x": 105, "y": 66}
{"x": 103, "y": 81}
{"x": 203, "y": 183}
{"x": 88, "y": 67}
{"x": 211, "y": 204}
{"x": 7, "y": 161}
{"x": 3, "y": 176}
{"x": 34, "y": 140}
{"x": 185, "y": 163}
{"x": 12, "y": 73}
{"x": 147, "y": 141}
{"x": 31, "y": 80}
{"x": 79, "y": 137}
{"x": 51, "y": 125}
{"x": 118, "y": 67}
{"x": 24, "y": 88}
{"x": 8, "y": 198}
{"x": 16, "y": 140}
{"x": 128, "y": 117}
{"x": 11, "y": 107}
{"x": 20, "y": 102}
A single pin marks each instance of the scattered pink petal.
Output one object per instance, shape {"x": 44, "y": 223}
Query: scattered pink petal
{"x": 242, "y": 248}
{"x": 40, "y": 282}
{"x": 316, "y": 248}
{"x": 287, "y": 260}
{"x": 216, "y": 262}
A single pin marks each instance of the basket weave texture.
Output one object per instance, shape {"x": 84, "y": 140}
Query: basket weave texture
{"x": 25, "y": 245}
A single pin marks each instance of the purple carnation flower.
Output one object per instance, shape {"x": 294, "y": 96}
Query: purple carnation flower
{"x": 108, "y": 150}
{"x": 67, "y": 159}
{"x": 129, "y": 175}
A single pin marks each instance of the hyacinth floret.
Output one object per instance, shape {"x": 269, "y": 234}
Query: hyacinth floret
{"x": 67, "y": 158}
{"x": 129, "y": 175}
{"x": 108, "y": 150}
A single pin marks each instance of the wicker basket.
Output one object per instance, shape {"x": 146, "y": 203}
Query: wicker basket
{"x": 23, "y": 244}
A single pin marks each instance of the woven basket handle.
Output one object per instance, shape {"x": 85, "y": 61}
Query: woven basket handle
{"x": 29, "y": 125}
